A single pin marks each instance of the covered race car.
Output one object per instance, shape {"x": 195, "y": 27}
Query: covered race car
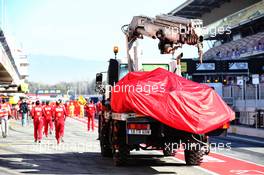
{"x": 173, "y": 100}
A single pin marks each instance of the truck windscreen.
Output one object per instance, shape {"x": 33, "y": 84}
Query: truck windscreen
{"x": 150, "y": 67}
{"x": 146, "y": 67}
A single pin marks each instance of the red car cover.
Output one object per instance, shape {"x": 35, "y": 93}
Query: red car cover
{"x": 172, "y": 100}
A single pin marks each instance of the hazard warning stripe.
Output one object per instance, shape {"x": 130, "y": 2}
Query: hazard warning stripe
{"x": 222, "y": 164}
{"x": 217, "y": 163}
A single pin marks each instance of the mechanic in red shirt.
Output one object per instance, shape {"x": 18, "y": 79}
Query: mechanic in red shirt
{"x": 90, "y": 110}
{"x": 48, "y": 123}
{"x": 99, "y": 108}
{"x": 38, "y": 120}
{"x": 59, "y": 114}
{"x": 5, "y": 112}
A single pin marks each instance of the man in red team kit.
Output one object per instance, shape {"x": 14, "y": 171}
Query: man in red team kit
{"x": 48, "y": 123}
{"x": 99, "y": 108}
{"x": 38, "y": 120}
{"x": 59, "y": 114}
{"x": 90, "y": 110}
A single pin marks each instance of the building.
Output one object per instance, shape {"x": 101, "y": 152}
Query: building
{"x": 22, "y": 62}
{"x": 13, "y": 65}
{"x": 8, "y": 70}
{"x": 234, "y": 31}
{"x": 50, "y": 95}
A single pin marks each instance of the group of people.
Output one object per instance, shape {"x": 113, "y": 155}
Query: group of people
{"x": 43, "y": 117}
{"x": 91, "y": 109}
{"x": 46, "y": 115}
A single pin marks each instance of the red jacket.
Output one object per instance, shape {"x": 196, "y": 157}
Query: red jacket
{"x": 90, "y": 109}
{"x": 37, "y": 112}
{"x": 99, "y": 107}
{"x": 5, "y": 110}
{"x": 47, "y": 111}
{"x": 59, "y": 113}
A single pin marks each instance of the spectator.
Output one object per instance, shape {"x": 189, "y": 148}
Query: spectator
{"x": 259, "y": 46}
{"x": 237, "y": 52}
{"x": 24, "y": 111}
{"x": 218, "y": 54}
{"x": 233, "y": 53}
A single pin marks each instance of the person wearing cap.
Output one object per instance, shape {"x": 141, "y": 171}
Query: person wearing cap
{"x": 48, "y": 124}
{"x": 59, "y": 114}
{"x": 5, "y": 112}
{"x": 38, "y": 120}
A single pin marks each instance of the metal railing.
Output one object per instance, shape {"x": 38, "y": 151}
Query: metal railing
{"x": 246, "y": 92}
{"x": 248, "y": 103}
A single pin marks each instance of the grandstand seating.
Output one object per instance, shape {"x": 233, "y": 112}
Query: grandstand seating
{"x": 236, "y": 49}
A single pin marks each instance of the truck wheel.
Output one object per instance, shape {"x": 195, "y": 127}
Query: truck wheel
{"x": 193, "y": 157}
{"x": 120, "y": 156}
{"x": 121, "y": 149}
{"x": 106, "y": 150}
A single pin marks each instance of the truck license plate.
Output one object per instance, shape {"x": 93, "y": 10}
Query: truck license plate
{"x": 139, "y": 132}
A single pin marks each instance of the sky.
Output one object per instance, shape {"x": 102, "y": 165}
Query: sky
{"x": 80, "y": 30}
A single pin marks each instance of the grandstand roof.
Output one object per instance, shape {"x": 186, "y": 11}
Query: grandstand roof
{"x": 196, "y": 8}
{"x": 211, "y": 11}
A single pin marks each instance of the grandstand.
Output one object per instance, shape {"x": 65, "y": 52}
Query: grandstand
{"x": 235, "y": 36}
{"x": 241, "y": 48}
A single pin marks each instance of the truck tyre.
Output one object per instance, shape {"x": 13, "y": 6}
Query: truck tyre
{"x": 193, "y": 157}
{"x": 120, "y": 156}
{"x": 121, "y": 149}
{"x": 106, "y": 149}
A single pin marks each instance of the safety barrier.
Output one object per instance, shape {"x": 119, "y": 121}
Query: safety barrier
{"x": 248, "y": 103}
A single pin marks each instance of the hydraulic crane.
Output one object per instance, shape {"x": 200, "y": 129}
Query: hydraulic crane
{"x": 171, "y": 31}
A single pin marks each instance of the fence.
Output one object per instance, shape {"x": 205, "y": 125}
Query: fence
{"x": 246, "y": 92}
{"x": 248, "y": 103}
